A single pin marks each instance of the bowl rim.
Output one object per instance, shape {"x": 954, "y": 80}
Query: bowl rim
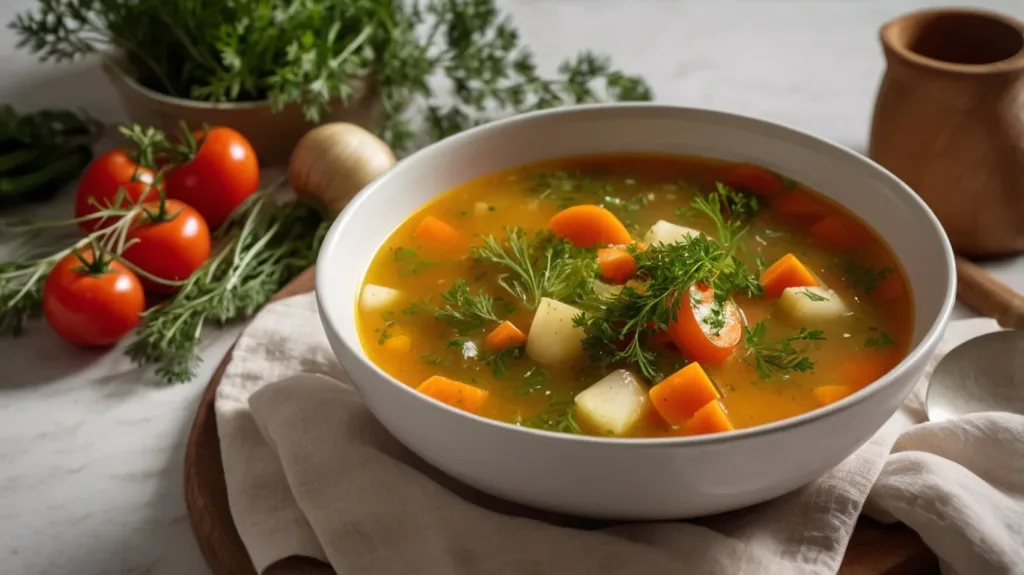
{"x": 916, "y": 355}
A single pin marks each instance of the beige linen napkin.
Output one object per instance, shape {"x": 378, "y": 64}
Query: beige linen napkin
{"x": 311, "y": 473}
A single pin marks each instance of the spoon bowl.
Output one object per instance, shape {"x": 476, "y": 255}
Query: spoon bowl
{"x": 983, "y": 374}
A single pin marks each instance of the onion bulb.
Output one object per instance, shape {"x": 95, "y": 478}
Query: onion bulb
{"x": 332, "y": 162}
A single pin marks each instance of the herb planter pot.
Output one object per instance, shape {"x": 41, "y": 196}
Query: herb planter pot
{"x": 272, "y": 135}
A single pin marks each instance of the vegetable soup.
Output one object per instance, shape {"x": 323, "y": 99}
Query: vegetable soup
{"x": 634, "y": 295}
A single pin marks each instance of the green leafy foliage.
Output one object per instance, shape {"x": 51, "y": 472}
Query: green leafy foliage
{"x": 313, "y": 52}
{"x": 618, "y": 328}
{"x": 263, "y": 249}
{"x": 465, "y": 311}
{"x": 557, "y": 416}
{"x": 41, "y": 152}
{"x": 779, "y": 357}
{"x": 539, "y": 265}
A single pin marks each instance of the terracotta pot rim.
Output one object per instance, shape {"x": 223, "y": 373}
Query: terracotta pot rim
{"x": 113, "y": 65}
{"x": 1013, "y": 63}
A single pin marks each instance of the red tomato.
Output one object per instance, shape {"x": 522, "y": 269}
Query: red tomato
{"x": 102, "y": 180}
{"x": 169, "y": 244}
{"x": 223, "y": 173}
{"x": 92, "y": 307}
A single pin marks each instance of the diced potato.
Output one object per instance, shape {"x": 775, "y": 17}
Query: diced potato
{"x": 663, "y": 232}
{"x": 812, "y": 303}
{"x": 398, "y": 344}
{"x": 377, "y": 298}
{"x": 602, "y": 289}
{"x": 552, "y": 338}
{"x": 481, "y": 208}
{"x": 614, "y": 404}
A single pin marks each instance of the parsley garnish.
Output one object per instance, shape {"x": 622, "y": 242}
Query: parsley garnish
{"x": 666, "y": 271}
{"x": 499, "y": 360}
{"x": 864, "y": 277}
{"x": 409, "y": 262}
{"x": 464, "y": 311}
{"x": 557, "y": 416}
{"x": 539, "y": 266}
{"x": 812, "y": 296}
{"x": 533, "y": 380}
{"x": 778, "y": 357}
{"x": 880, "y": 339}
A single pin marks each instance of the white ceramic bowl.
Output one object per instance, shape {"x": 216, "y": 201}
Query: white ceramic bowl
{"x": 664, "y": 478}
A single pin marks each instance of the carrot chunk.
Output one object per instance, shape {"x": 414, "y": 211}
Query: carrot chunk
{"x": 398, "y": 344}
{"x": 504, "y": 336}
{"x": 617, "y": 265}
{"x": 785, "y": 273}
{"x": 680, "y": 395}
{"x": 839, "y": 232}
{"x": 588, "y": 225}
{"x": 860, "y": 372}
{"x": 752, "y": 178}
{"x": 438, "y": 233}
{"x": 454, "y": 393}
{"x": 706, "y": 330}
{"x": 800, "y": 207}
{"x": 711, "y": 418}
{"x": 826, "y": 394}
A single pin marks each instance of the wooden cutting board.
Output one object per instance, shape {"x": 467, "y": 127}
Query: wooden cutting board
{"x": 874, "y": 550}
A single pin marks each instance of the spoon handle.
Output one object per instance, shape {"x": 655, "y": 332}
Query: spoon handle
{"x": 988, "y": 296}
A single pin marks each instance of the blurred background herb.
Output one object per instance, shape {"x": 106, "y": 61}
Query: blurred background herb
{"x": 310, "y": 52}
{"x": 41, "y": 152}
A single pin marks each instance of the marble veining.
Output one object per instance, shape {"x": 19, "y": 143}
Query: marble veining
{"x": 91, "y": 449}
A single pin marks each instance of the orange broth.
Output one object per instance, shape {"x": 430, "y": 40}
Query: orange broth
{"x": 407, "y": 341}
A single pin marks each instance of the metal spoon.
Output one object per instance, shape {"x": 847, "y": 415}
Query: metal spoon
{"x": 985, "y": 373}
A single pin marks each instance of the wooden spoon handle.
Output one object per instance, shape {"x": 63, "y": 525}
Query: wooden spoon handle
{"x": 988, "y": 296}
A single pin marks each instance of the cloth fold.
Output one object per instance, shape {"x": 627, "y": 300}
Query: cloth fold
{"x": 311, "y": 473}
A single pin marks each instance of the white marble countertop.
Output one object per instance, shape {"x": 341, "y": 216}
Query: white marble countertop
{"x": 91, "y": 449}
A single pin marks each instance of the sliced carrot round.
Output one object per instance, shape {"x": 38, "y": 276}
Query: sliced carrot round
{"x": 617, "y": 264}
{"x": 705, "y": 330}
{"x": 588, "y": 225}
{"x": 753, "y": 179}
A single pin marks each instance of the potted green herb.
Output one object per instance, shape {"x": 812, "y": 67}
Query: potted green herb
{"x": 274, "y": 68}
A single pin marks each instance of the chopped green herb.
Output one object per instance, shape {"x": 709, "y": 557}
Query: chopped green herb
{"x": 539, "y": 266}
{"x": 715, "y": 319}
{"x": 864, "y": 277}
{"x": 464, "y": 311}
{"x": 812, "y": 296}
{"x": 409, "y": 262}
{"x": 879, "y": 340}
{"x": 499, "y": 360}
{"x": 417, "y": 307}
{"x": 533, "y": 380}
{"x": 557, "y": 416}
{"x": 491, "y": 208}
{"x": 383, "y": 337}
{"x": 779, "y": 357}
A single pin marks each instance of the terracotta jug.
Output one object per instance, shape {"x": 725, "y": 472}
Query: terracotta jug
{"x": 949, "y": 121}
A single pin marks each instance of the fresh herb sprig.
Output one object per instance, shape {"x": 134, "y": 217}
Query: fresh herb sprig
{"x": 779, "y": 357}
{"x": 557, "y": 416}
{"x": 265, "y": 246}
{"x": 538, "y": 266}
{"x": 465, "y": 311}
{"x": 313, "y": 53}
